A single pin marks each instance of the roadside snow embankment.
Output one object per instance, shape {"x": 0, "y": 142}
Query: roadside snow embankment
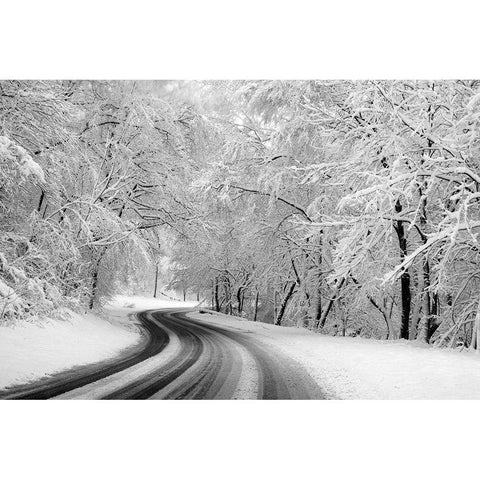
{"x": 29, "y": 350}
{"x": 358, "y": 368}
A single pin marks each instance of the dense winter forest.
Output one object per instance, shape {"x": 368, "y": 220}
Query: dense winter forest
{"x": 349, "y": 208}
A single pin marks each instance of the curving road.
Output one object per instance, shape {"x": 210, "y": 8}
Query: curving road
{"x": 182, "y": 358}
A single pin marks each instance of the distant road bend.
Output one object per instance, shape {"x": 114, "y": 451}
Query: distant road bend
{"x": 181, "y": 358}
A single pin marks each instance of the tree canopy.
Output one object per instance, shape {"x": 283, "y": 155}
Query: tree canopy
{"x": 341, "y": 206}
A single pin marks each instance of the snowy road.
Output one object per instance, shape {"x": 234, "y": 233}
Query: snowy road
{"x": 182, "y": 358}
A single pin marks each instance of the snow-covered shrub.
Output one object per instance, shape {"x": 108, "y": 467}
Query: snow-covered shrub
{"x": 27, "y": 284}
{"x": 19, "y": 159}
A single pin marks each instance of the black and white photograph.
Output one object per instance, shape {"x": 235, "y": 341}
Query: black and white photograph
{"x": 266, "y": 239}
{"x": 274, "y": 211}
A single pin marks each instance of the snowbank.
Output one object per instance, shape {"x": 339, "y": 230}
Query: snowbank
{"x": 357, "y": 368}
{"x": 29, "y": 351}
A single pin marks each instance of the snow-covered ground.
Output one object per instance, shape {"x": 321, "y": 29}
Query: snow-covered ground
{"x": 345, "y": 368}
{"x": 357, "y": 368}
{"x": 32, "y": 349}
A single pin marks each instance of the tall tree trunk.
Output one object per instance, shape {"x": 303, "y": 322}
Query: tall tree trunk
{"x": 388, "y": 320}
{"x": 156, "y": 282}
{"x": 417, "y": 303}
{"x": 283, "y": 306}
{"x": 40, "y": 201}
{"x": 95, "y": 277}
{"x": 217, "y": 302}
{"x": 475, "y": 343}
{"x": 94, "y": 287}
{"x": 405, "y": 278}
{"x": 318, "y": 303}
{"x": 228, "y": 295}
{"x": 425, "y": 331}
{"x": 212, "y": 297}
{"x": 256, "y": 306}
{"x": 323, "y": 318}
{"x": 274, "y": 303}
{"x": 435, "y": 320}
{"x": 240, "y": 301}
{"x": 318, "y": 307}
{"x": 303, "y": 287}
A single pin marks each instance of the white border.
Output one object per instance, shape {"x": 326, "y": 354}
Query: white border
{"x": 213, "y": 440}
{"x": 249, "y": 39}
{"x": 215, "y": 39}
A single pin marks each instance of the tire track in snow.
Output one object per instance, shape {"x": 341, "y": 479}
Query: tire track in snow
{"x": 185, "y": 358}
